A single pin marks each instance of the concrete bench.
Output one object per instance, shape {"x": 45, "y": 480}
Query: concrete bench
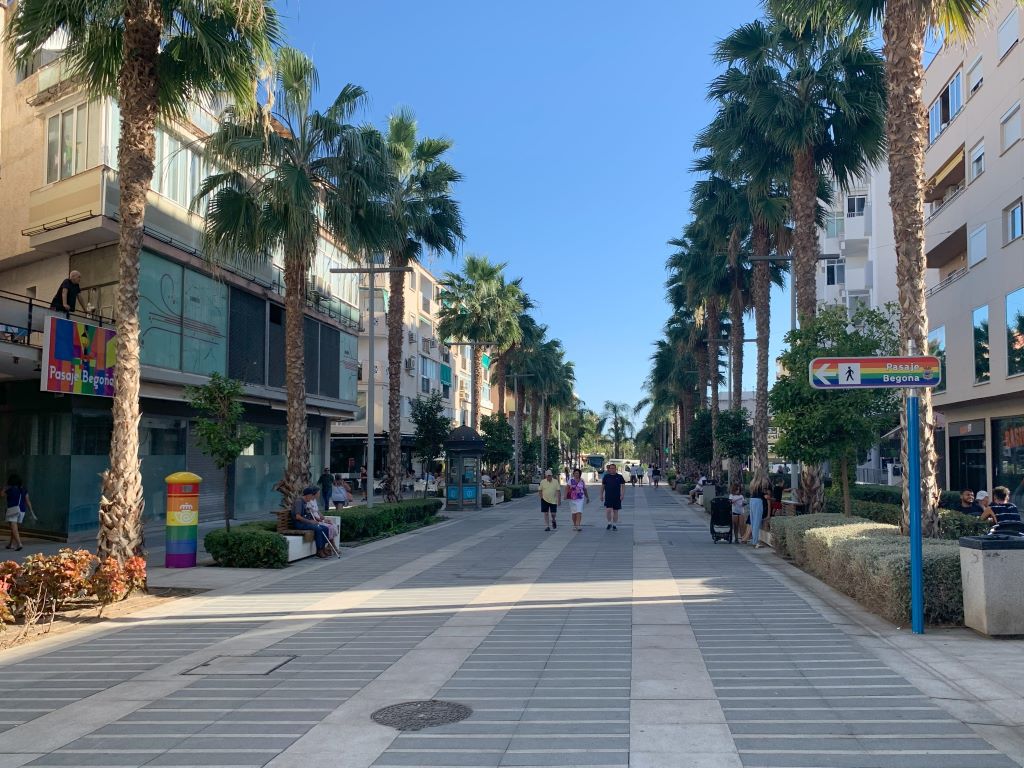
{"x": 497, "y": 497}
{"x": 302, "y": 544}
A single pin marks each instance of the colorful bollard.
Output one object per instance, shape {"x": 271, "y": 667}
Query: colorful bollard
{"x": 182, "y": 519}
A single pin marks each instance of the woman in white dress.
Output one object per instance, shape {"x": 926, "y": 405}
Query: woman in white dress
{"x": 578, "y": 496}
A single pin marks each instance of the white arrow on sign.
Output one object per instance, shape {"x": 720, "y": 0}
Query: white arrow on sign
{"x": 822, "y": 373}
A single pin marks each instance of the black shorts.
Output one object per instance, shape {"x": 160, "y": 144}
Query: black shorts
{"x": 613, "y": 504}
{"x": 547, "y": 506}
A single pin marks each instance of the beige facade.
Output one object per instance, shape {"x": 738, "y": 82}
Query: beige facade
{"x": 975, "y": 170}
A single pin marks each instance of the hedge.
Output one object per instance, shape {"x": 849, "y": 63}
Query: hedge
{"x": 891, "y": 494}
{"x": 870, "y": 562}
{"x": 384, "y": 519}
{"x": 952, "y": 524}
{"x": 247, "y": 546}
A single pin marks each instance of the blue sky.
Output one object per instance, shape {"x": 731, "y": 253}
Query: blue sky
{"x": 573, "y": 123}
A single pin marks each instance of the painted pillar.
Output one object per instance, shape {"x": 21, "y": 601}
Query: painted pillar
{"x": 182, "y": 519}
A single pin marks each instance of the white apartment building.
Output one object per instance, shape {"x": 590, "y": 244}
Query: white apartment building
{"x": 973, "y": 237}
{"x": 857, "y": 239}
{"x": 428, "y": 366}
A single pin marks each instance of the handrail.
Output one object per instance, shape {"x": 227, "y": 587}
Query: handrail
{"x": 946, "y": 201}
{"x": 952, "y": 277}
{"x": 21, "y": 316}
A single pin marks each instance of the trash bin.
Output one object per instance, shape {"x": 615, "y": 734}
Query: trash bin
{"x": 182, "y": 540}
{"x": 992, "y": 570}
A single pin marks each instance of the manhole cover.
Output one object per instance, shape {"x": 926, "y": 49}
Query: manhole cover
{"x": 415, "y": 715}
{"x": 240, "y": 665}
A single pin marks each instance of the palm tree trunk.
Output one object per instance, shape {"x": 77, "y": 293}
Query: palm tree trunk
{"x": 122, "y": 502}
{"x": 903, "y": 32}
{"x": 714, "y": 332}
{"x": 534, "y": 413}
{"x": 476, "y": 360}
{"x": 393, "y": 471}
{"x": 502, "y": 379}
{"x": 761, "y": 291}
{"x": 736, "y": 323}
{"x": 517, "y": 432}
{"x": 545, "y": 431}
{"x": 296, "y": 473}
{"x": 804, "y": 195}
{"x": 703, "y": 374}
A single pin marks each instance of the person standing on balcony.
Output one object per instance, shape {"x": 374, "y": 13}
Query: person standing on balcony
{"x": 67, "y": 297}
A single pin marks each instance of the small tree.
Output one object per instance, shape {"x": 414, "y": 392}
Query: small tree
{"x": 431, "y": 428}
{"x": 698, "y": 438}
{"x": 735, "y": 438}
{"x": 221, "y": 433}
{"x": 499, "y": 443}
{"x": 840, "y": 425}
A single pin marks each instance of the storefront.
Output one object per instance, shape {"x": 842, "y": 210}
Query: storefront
{"x": 967, "y": 455}
{"x": 1008, "y": 456}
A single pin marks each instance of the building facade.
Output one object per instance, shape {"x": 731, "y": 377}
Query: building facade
{"x": 973, "y": 234}
{"x": 58, "y": 186}
{"x": 428, "y": 366}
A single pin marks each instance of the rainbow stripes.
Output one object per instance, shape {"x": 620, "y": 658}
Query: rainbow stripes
{"x": 874, "y": 372}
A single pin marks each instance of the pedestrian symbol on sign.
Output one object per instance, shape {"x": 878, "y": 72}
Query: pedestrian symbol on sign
{"x": 851, "y": 373}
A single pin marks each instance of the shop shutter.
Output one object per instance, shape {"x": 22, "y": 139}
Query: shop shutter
{"x": 211, "y": 491}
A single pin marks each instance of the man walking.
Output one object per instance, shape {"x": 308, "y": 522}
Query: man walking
{"x": 326, "y": 483}
{"x": 550, "y": 497}
{"x": 611, "y": 496}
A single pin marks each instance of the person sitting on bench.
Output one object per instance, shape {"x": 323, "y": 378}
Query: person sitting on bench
{"x": 304, "y": 516}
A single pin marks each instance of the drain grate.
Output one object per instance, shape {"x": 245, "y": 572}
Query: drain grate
{"x": 416, "y": 715}
{"x": 240, "y": 665}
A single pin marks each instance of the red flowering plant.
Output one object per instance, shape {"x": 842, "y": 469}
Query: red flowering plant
{"x": 108, "y": 583}
{"x": 55, "y": 579}
{"x": 135, "y": 573}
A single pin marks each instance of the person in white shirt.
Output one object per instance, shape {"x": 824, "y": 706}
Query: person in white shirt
{"x": 698, "y": 489}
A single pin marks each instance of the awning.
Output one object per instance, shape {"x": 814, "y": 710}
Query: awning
{"x": 446, "y": 374}
{"x": 949, "y": 174}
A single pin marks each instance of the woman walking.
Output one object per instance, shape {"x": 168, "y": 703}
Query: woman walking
{"x": 759, "y": 496}
{"x": 578, "y": 497}
{"x": 18, "y": 503}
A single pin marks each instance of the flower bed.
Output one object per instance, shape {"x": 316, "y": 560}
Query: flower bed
{"x": 870, "y": 562}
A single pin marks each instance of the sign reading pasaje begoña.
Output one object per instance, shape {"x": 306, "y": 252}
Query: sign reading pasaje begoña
{"x": 78, "y": 358}
{"x": 874, "y": 372}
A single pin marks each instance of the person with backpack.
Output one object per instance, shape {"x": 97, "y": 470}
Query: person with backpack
{"x": 18, "y": 503}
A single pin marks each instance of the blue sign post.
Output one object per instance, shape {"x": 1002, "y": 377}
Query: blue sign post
{"x": 914, "y": 492}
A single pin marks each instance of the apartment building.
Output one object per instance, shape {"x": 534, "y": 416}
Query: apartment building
{"x": 428, "y": 366}
{"x": 859, "y": 254}
{"x": 58, "y": 188}
{"x": 973, "y": 234}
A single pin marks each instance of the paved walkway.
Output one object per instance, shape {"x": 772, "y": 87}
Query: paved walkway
{"x": 647, "y": 647}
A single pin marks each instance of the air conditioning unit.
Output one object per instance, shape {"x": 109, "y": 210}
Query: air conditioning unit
{"x": 410, "y": 365}
{"x": 433, "y": 343}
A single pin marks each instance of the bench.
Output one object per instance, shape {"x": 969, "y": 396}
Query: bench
{"x": 302, "y": 544}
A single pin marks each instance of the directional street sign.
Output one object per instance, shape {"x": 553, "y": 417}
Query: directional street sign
{"x": 874, "y": 372}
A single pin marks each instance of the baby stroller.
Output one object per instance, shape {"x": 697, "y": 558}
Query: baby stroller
{"x": 721, "y": 519}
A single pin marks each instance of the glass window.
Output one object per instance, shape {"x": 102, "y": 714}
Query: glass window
{"x": 855, "y": 206}
{"x": 981, "y": 349}
{"x": 835, "y": 273}
{"x": 835, "y": 225}
{"x": 937, "y": 347}
{"x": 977, "y": 245}
{"x": 53, "y": 149}
{"x": 275, "y": 345}
{"x": 1013, "y": 225}
{"x": 81, "y": 136}
{"x": 1009, "y": 127}
{"x": 975, "y": 76}
{"x": 945, "y": 108}
{"x": 977, "y": 160}
{"x": 1008, "y": 455}
{"x": 67, "y": 141}
{"x": 1015, "y": 332}
{"x": 311, "y": 347}
{"x": 247, "y": 335}
{"x": 1008, "y": 33}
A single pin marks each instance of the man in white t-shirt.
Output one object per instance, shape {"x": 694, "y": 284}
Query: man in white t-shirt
{"x": 698, "y": 489}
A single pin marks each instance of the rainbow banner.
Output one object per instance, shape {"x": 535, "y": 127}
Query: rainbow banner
{"x": 874, "y": 372}
{"x": 182, "y": 542}
{"x": 78, "y": 358}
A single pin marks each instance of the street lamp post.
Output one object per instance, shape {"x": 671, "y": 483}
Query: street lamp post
{"x": 371, "y": 427}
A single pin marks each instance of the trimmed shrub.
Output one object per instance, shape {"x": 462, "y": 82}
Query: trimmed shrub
{"x": 485, "y": 501}
{"x": 870, "y": 562}
{"x": 383, "y": 519}
{"x": 879, "y": 512}
{"x": 952, "y": 524}
{"x": 891, "y": 494}
{"x": 247, "y": 547}
{"x": 263, "y": 525}
{"x": 507, "y": 491}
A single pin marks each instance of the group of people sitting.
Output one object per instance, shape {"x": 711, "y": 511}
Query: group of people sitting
{"x": 995, "y": 509}
{"x": 305, "y": 515}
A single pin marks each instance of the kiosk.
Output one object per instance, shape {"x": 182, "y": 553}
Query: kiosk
{"x": 464, "y": 449}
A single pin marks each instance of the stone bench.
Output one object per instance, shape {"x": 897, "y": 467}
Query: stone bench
{"x": 497, "y": 497}
{"x": 302, "y": 544}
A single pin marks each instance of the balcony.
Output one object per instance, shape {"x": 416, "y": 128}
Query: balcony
{"x": 73, "y": 213}
{"x": 947, "y": 281}
{"x": 942, "y": 248}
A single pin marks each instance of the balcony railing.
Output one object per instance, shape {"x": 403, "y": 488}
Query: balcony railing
{"x": 949, "y": 279}
{"x": 22, "y": 318}
{"x": 938, "y": 205}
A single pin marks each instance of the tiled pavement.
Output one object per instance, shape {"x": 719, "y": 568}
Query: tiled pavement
{"x": 646, "y": 647}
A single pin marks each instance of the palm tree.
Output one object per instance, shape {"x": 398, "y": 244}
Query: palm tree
{"x": 616, "y": 419}
{"x": 479, "y": 306}
{"x": 521, "y": 361}
{"x": 817, "y": 91}
{"x": 424, "y": 218}
{"x": 313, "y": 172}
{"x": 157, "y": 58}
{"x": 559, "y": 394}
{"x": 527, "y": 327}
{"x": 905, "y": 26}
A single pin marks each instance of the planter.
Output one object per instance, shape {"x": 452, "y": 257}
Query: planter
{"x": 992, "y": 570}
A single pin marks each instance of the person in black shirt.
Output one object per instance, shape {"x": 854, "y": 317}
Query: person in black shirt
{"x": 967, "y": 505}
{"x": 611, "y": 495}
{"x": 66, "y": 299}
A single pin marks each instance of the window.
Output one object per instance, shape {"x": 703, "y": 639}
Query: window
{"x": 178, "y": 168}
{"x": 977, "y": 160}
{"x": 1008, "y": 33}
{"x": 446, "y": 391}
{"x": 975, "y": 77}
{"x": 855, "y": 205}
{"x": 429, "y": 370}
{"x": 977, "y": 245}
{"x": 945, "y": 108}
{"x": 835, "y": 272}
{"x": 1009, "y": 127}
{"x": 1015, "y": 332}
{"x": 835, "y": 225}
{"x": 1013, "y": 222}
{"x": 937, "y": 348}
{"x": 67, "y": 141}
{"x": 981, "y": 361}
